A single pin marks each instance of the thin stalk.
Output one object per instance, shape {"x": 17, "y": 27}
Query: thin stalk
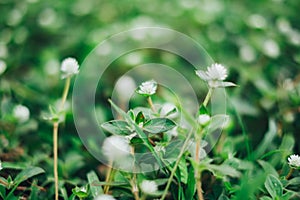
{"x": 55, "y": 156}
{"x": 151, "y": 104}
{"x": 197, "y": 172}
{"x": 208, "y": 96}
{"x": 197, "y": 153}
{"x": 289, "y": 174}
{"x": 55, "y": 136}
{"x": 108, "y": 177}
{"x": 186, "y": 142}
{"x": 135, "y": 189}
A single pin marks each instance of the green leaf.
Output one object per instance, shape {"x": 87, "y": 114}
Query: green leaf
{"x": 136, "y": 140}
{"x": 159, "y": 125}
{"x": 267, "y": 140}
{"x": 191, "y": 184}
{"x": 223, "y": 170}
{"x": 273, "y": 186}
{"x": 203, "y": 110}
{"x": 183, "y": 170}
{"x": 80, "y": 192}
{"x": 140, "y": 118}
{"x": 265, "y": 198}
{"x": 294, "y": 181}
{"x": 28, "y": 173}
{"x": 11, "y": 165}
{"x": 117, "y": 127}
{"x": 139, "y": 132}
{"x": 268, "y": 168}
{"x": 93, "y": 180}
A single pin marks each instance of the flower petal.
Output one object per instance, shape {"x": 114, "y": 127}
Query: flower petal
{"x": 203, "y": 75}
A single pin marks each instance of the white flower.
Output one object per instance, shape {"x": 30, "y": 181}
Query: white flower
{"x": 21, "y": 113}
{"x": 2, "y": 67}
{"x": 294, "y": 160}
{"x": 203, "y": 119}
{"x": 148, "y": 187}
{"x": 115, "y": 148}
{"x": 104, "y": 197}
{"x": 215, "y": 75}
{"x": 1, "y": 165}
{"x": 147, "y": 88}
{"x": 69, "y": 67}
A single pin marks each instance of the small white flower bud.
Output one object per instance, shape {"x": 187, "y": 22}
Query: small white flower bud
{"x": 203, "y": 119}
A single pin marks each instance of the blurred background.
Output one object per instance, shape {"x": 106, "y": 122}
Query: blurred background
{"x": 259, "y": 41}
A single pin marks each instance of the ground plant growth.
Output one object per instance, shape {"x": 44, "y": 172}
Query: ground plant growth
{"x": 183, "y": 100}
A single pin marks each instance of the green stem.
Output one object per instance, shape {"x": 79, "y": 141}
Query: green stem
{"x": 151, "y": 104}
{"x": 208, "y": 96}
{"x": 176, "y": 165}
{"x": 198, "y": 138}
{"x": 108, "y": 177}
{"x": 197, "y": 172}
{"x": 289, "y": 174}
{"x": 55, "y": 136}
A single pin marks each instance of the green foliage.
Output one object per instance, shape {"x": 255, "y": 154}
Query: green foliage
{"x": 257, "y": 40}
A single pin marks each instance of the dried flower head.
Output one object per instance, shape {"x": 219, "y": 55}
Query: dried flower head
{"x": 215, "y": 76}
{"x": 69, "y": 67}
{"x": 294, "y": 161}
{"x": 147, "y": 88}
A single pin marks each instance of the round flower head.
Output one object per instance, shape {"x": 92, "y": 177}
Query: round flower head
{"x": 147, "y": 88}
{"x": 2, "y": 67}
{"x": 115, "y": 148}
{"x": 104, "y": 197}
{"x": 294, "y": 161}
{"x": 215, "y": 75}
{"x": 69, "y": 67}
{"x": 148, "y": 187}
{"x": 21, "y": 113}
{"x": 203, "y": 119}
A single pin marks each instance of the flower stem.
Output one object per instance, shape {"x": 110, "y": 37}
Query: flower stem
{"x": 135, "y": 189}
{"x": 108, "y": 177}
{"x": 151, "y": 104}
{"x": 208, "y": 96}
{"x": 289, "y": 174}
{"x": 198, "y": 138}
{"x": 55, "y": 152}
{"x": 186, "y": 142}
{"x": 197, "y": 172}
{"x": 55, "y": 136}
